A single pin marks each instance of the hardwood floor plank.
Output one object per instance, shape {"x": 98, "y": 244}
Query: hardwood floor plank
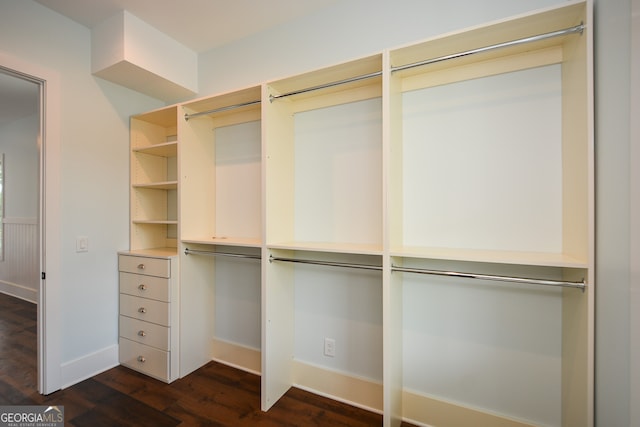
{"x": 118, "y": 409}
{"x": 215, "y": 395}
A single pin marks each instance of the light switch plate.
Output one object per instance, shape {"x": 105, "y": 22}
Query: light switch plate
{"x": 82, "y": 244}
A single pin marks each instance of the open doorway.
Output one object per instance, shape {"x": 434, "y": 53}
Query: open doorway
{"x": 19, "y": 187}
{"x": 49, "y": 332}
{"x": 20, "y": 177}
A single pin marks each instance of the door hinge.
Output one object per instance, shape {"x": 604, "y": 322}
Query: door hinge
{"x": 44, "y": 275}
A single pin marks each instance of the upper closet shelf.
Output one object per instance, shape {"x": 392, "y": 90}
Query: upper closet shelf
{"x": 491, "y": 256}
{"x": 166, "y": 185}
{"x": 226, "y": 241}
{"x": 166, "y": 149}
{"x": 344, "y": 248}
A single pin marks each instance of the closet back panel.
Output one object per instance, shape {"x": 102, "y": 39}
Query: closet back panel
{"x": 237, "y": 309}
{"x": 238, "y": 171}
{"x": 345, "y": 305}
{"x": 484, "y": 345}
{"x": 338, "y": 174}
{"x": 482, "y": 163}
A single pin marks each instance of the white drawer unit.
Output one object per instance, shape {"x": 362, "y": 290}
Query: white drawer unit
{"x": 145, "y": 332}
{"x": 145, "y": 309}
{"x": 156, "y": 288}
{"x": 146, "y": 359}
{"x": 143, "y": 265}
{"x": 148, "y": 325}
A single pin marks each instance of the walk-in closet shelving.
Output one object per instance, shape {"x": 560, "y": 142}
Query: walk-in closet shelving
{"x": 324, "y": 159}
{"x": 324, "y": 204}
{"x": 312, "y": 297}
{"x": 221, "y": 232}
{"x": 221, "y": 306}
{"x": 427, "y": 212}
{"x": 491, "y": 174}
{"x": 222, "y": 179}
{"x": 154, "y": 179}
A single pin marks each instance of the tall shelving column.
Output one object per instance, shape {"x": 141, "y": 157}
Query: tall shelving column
{"x": 221, "y": 232}
{"x": 149, "y": 324}
{"x": 323, "y": 195}
{"x": 154, "y": 179}
{"x": 490, "y": 154}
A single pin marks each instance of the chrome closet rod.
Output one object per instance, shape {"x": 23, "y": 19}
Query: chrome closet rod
{"x": 326, "y": 85}
{"x": 221, "y": 109}
{"x": 523, "y": 280}
{"x": 571, "y": 30}
{"x": 188, "y": 251}
{"x": 552, "y": 34}
{"x": 326, "y": 263}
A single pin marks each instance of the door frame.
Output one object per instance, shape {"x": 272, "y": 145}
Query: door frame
{"x": 49, "y": 299}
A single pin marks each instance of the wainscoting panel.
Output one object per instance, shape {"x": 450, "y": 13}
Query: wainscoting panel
{"x": 19, "y": 270}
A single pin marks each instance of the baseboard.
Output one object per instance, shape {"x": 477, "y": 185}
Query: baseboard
{"x": 237, "y": 356}
{"x": 19, "y": 291}
{"x": 428, "y": 411}
{"x": 356, "y": 391}
{"x": 418, "y": 409}
{"x": 87, "y": 366}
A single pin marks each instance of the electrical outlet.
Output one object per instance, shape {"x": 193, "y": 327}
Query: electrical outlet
{"x": 329, "y": 347}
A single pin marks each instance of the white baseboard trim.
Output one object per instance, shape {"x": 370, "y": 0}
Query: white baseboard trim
{"x": 19, "y": 291}
{"x": 237, "y": 356}
{"x": 360, "y": 392}
{"x": 87, "y": 366}
{"x": 425, "y": 410}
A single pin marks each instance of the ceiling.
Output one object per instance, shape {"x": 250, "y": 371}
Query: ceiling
{"x": 200, "y": 25}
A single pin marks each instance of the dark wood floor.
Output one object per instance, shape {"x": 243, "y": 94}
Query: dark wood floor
{"x": 215, "y": 395}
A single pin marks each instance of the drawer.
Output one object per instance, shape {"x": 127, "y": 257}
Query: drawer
{"x": 145, "y": 309}
{"x": 160, "y": 267}
{"x": 145, "y": 332}
{"x": 145, "y": 359}
{"x": 145, "y": 286}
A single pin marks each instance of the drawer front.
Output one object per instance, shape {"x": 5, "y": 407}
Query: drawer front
{"x": 145, "y": 286}
{"x": 142, "y": 265}
{"x": 145, "y": 309}
{"x": 145, "y": 332}
{"x": 146, "y": 359}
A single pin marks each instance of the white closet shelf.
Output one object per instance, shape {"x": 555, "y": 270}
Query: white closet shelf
{"x": 346, "y": 248}
{"x": 166, "y": 149}
{"x": 154, "y": 252}
{"x": 226, "y": 241}
{"x": 155, "y": 221}
{"x": 165, "y": 185}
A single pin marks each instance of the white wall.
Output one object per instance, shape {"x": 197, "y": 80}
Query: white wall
{"x": 635, "y": 214}
{"x": 18, "y": 142}
{"x": 94, "y": 174}
{"x": 613, "y": 266}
